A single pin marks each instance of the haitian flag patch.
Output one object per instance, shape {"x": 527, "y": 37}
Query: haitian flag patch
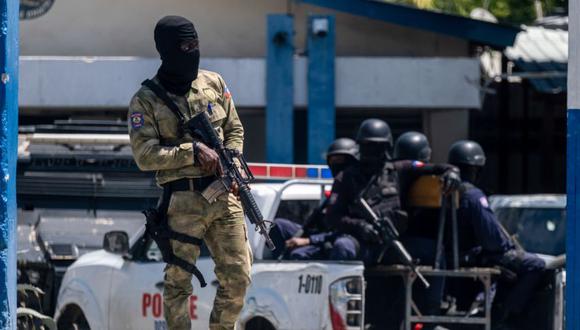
{"x": 417, "y": 164}
{"x": 137, "y": 120}
{"x": 227, "y": 93}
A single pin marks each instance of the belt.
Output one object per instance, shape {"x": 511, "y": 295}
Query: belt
{"x": 191, "y": 184}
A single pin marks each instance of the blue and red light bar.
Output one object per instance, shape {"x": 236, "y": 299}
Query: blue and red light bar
{"x": 265, "y": 171}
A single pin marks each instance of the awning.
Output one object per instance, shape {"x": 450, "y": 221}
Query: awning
{"x": 496, "y": 35}
{"x": 542, "y": 50}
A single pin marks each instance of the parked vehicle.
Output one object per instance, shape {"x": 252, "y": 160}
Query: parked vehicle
{"x": 538, "y": 224}
{"x": 122, "y": 289}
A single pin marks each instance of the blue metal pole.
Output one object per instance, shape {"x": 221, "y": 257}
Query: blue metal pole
{"x": 321, "y": 87}
{"x": 573, "y": 230}
{"x": 280, "y": 89}
{"x": 8, "y": 155}
{"x": 573, "y": 175}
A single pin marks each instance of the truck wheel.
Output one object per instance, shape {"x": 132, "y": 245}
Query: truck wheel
{"x": 259, "y": 323}
{"x": 73, "y": 319}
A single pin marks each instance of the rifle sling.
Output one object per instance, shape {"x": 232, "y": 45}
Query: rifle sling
{"x": 167, "y": 232}
{"x": 162, "y": 94}
{"x": 161, "y": 233}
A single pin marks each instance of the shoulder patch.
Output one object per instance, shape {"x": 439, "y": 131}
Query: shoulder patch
{"x": 417, "y": 164}
{"x": 227, "y": 93}
{"x": 137, "y": 120}
{"x": 483, "y": 201}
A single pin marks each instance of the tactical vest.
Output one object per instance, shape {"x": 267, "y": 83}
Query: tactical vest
{"x": 382, "y": 195}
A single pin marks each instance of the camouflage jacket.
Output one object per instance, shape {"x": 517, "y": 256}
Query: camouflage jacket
{"x": 154, "y": 130}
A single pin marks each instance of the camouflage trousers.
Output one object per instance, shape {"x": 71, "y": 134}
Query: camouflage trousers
{"x": 222, "y": 227}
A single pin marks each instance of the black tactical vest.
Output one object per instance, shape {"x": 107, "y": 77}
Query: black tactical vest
{"x": 382, "y": 195}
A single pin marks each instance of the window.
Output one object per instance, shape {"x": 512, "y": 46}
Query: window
{"x": 539, "y": 230}
{"x": 296, "y": 210}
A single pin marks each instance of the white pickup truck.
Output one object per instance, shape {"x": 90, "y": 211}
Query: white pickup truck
{"x": 107, "y": 290}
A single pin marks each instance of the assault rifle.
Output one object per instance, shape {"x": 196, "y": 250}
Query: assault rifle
{"x": 390, "y": 237}
{"x": 201, "y": 127}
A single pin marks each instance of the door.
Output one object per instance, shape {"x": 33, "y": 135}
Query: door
{"x": 137, "y": 293}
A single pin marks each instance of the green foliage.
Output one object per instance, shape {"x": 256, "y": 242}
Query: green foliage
{"x": 512, "y": 11}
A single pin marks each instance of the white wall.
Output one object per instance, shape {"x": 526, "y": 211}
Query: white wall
{"x": 371, "y": 82}
{"x": 227, "y": 28}
{"x": 443, "y": 128}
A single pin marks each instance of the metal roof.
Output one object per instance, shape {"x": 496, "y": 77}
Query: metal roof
{"x": 528, "y": 201}
{"x": 481, "y": 32}
{"x": 553, "y": 22}
{"x": 541, "y": 49}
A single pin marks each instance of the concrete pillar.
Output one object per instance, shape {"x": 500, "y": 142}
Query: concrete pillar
{"x": 280, "y": 89}
{"x": 443, "y": 127}
{"x": 321, "y": 87}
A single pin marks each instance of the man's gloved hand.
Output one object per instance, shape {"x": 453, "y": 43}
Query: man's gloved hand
{"x": 368, "y": 233}
{"x": 207, "y": 159}
{"x": 451, "y": 181}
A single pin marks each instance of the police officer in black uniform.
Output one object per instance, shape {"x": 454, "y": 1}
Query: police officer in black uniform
{"x": 378, "y": 176}
{"x": 314, "y": 240}
{"x": 344, "y": 215}
{"x": 483, "y": 241}
{"x": 411, "y": 150}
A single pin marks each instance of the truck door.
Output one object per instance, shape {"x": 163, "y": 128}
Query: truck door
{"x": 136, "y": 300}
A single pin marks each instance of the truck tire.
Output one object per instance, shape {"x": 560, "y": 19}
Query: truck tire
{"x": 73, "y": 318}
{"x": 259, "y": 323}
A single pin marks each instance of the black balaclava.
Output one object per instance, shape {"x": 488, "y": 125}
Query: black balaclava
{"x": 469, "y": 173}
{"x": 179, "y": 64}
{"x": 373, "y": 156}
{"x": 338, "y": 163}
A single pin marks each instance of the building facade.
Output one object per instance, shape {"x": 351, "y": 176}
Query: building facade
{"x": 86, "y": 58}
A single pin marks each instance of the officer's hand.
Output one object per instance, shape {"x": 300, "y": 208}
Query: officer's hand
{"x": 451, "y": 181}
{"x": 208, "y": 159}
{"x": 235, "y": 190}
{"x": 295, "y": 242}
{"x": 368, "y": 233}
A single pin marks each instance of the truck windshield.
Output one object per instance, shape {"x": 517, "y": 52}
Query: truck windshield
{"x": 539, "y": 230}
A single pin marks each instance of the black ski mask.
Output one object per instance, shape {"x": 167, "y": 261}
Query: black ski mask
{"x": 471, "y": 174}
{"x": 338, "y": 163}
{"x": 373, "y": 156}
{"x": 177, "y": 43}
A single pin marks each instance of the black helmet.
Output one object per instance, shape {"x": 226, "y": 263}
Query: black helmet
{"x": 374, "y": 130}
{"x": 413, "y": 146}
{"x": 466, "y": 152}
{"x": 343, "y": 146}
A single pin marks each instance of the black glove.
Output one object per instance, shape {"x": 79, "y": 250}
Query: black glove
{"x": 451, "y": 181}
{"x": 368, "y": 233}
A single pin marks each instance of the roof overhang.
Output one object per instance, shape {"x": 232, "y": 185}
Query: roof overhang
{"x": 485, "y": 33}
{"x": 542, "y": 53}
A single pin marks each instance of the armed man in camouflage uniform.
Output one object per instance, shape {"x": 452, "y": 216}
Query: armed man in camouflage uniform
{"x": 160, "y": 144}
